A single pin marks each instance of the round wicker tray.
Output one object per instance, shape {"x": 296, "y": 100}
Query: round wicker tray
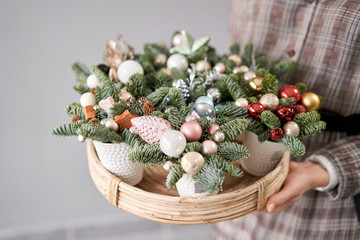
{"x": 152, "y": 200}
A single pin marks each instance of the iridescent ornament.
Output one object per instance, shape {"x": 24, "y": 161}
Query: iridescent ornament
{"x": 183, "y": 87}
{"x": 177, "y": 61}
{"x": 128, "y": 68}
{"x": 202, "y": 65}
{"x": 311, "y": 101}
{"x": 256, "y": 83}
{"x": 81, "y": 138}
{"x": 299, "y": 109}
{"x": 167, "y": 165}
{"x": 291, "y": 129}
{"x": 191, "y": 130}
{"x": 276, "y": 133}
{"x": 204, "y": 99}
{"x": 87, "y": 99}
{"x": 219, "y": 136}
{"x": 172, "y": 143}
{"x": 112, "y": 125}
{"x": 269, "y": 101}
{"x": 255, "y": 109}
{"x": 209, "y": 147}
{"x": 236, "y": 59}
{"x": 192, "y": 162}
{"x": 285, "y": 113}
{"x": 213, "y": 129}
{"x": 249, "y": 75}
{"x": 214, "y": 94}
{"x": 289, "y": 91}
{"x": 220, "y": 67}
{"x": 242, "y": 102}
{"x": 203, "y": 110}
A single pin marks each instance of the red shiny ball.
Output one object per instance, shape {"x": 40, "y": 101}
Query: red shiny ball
{"x": 289, "y": 91}
{"x": 299, "y": 109}
{"x": 255, "y": 109}
{"x": 285, "y": 113}
{"x": 276, "y": 133}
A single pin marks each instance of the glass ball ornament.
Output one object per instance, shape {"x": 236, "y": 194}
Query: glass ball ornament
{"x": 249, "y": 75}
{"x": 219, "y": 136}
{"x": 214, "y": 94}
{"x": 291, "y": 129}
{"x": 112, "y": 125}
{"x": 213, "y": 129}
{"x": 191, "y": 130}
{"x": 269, "y": 101}
{"x": 255, "y": 109}
{"x": 160, "y": 58}
{"x": 192, "y": 162}
{"x": 242, "y": 102}
{"x": 167, "y": 165}
{"x": 204, "y": 99}
{"x": 276, "y": 133}
{"x": 236, "y": 59}
{"x": 166, "y": 71}
{"x": 92, "y": 81}
{"x": 285, "y": 113}
{"x": 289, "y": 91}
{"x": 172, "y": 143}
{"x": 128, "y": 68}
{"x": 220, "y": 67}
{"x": 203, "y": 110}
{"x": 209, "y": 147}
{"x": 298, "y": 108}
{"x": 177, "y": 61}
{"x": 87, "y": 99}
{"x": 103, "y": 121}
{"x": 256, "y": 83}
{"x": 202, "y": 65}
{"x": 311, "y": 101}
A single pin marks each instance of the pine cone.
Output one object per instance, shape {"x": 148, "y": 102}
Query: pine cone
{"x": 94, "y": 121}
{"x": 75, "y": 117}
{"x": 148, "y": 107}
{"x": 183, "y": 87}
{"x": 92, "y": 90}
{"x": 151, "y": 128}
{"x": 142, "y": 100}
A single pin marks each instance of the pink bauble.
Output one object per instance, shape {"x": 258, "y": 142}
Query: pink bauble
{"x": 209, "y": 147}
{"x": 191, "y": 130}
{"x": 213, "y": 129}
{"x": 177, "y": 40}
{"x": 161, "y": 44}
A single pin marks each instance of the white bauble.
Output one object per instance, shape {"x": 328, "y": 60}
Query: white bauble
{"x": 87, "y": 99}
{"x": 128, "y": 68}
{"x": 177, "y": 61}
{"x": 204, "y": 99}
{"x": 172, "y": 143}
{"x": 92, "y": 81}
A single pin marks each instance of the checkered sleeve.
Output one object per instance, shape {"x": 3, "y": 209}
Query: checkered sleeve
{"x": 345, "y": 155}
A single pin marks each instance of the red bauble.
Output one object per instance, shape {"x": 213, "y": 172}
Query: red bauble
{"x": 285, "y": 113}
{"x": 276, "y": 133}
{"x": 289, "y": 91}
{"x": 299, "y": 109}
{"x": 255, "y": 109}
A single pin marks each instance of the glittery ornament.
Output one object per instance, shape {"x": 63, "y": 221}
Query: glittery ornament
{"x": 105, "y": 69}
{"x": 289, "y": 91}
{"x": 124, "y": 120}
{"x": 209, "y": 147}
{"x": 192, "y": 162}
{"x": 203, "y": 110}
{"x": 214, "y": 94}
{"x": 220, "y": 67}
{"x": 160, "y": 58}
{"x": 249, "y": 75}
{"x": 291, "y": 129}
{"x": 285, "y": 113}
{"x": 204, "y": 99}
{"x": 183, "y": 87}
{"x": 167, "y": 165}
{"x": 213, "y": 129}
{"x": 256, "y": 83}
{"x": 269, "y": 101}
{"x": 241, "y": 69}
{"x": 202, "y": 65}
{"x": 276, "y": 133}
{"x": 255, "y": 109}
{"x": 117, "y": 52}
{"x": 173, "y": 143}
{"x": 148, "y": 107}
{"x": 219, "y": 136}
{"x": 311, "y": 101}
{"x": 236, "y": 59}
{"x": 189, "y": 118}
{"x": 142, "y": 100}
{"x": 242, "y": 102}
{"x": 112, "y": 125}
{"x": 191, "y": 130}
{"x": 299, "y": 109}
{"x": 81, "y": 138}
{"x": 151, "y": 128}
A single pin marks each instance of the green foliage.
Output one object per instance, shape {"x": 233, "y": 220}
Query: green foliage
{"x": 98, "y": 94}
{"x": 287, "y": 101}
{"x": 209, "y": 179}
{"x": 131, "y": 139}
{"x": 68, "y": 129}
{"x": 283, "y": 67}
{"x": 116, "y": 109}
{"x": 158, "y": 97}
{"x": 261, "y": 72}
{"x": 205, "y": 125}
{"x": 176, "y": 98}
{"x": 234, "y": 127}
{"x": 165, "y": 96}
{"x": 235, "y": 48}
{"x": 99, "y": 133}
{"x": 81, "y": 88}
{"x": 312, "y": 128}
{"x": 148, "y": 155}
{"x": 177, "y": 74}
{"x": 155, "y": 49}
{"x": 75, "y": 109}
{"x": 230, "y": 110}
{"x": 270, "y": 119}
{"x": 230, "y": 65}
{"x": 302, "y": 87}
{"x": 233, "y": 88}
{"x": 100, "y": 114}
{"x": 303, "y": 119}
{"x": 232, "y": 151}
{"x": 199, "y": 90}
{"x": 175, "y": 117}
{"x": 255, "y": 127}
{"x": 135, "y": 108}
{"x": 162, "y": 80}
{"x": 81, "y": 71}
{"x": 135, "y": 85}
{"x": 193, "y": 147}
{"x": 270, "y": 84}
{"x": 176, "y": 172}
{"x": 99, "y": 74}
{"x": 309, "y": 123}
{"x": 262, "y": 137}
{"x": 219, "y": 162}
{"x": 248, "y": 54}
{"x": 262, "y": 62}
{"x": 110, "y": 89}
{"x": 294, "y": 145}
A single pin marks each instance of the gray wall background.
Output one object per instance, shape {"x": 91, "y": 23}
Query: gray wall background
{"x": 45, "y": 179}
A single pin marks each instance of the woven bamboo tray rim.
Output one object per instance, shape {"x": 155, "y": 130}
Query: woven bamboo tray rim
{"x": 152, "y": 200}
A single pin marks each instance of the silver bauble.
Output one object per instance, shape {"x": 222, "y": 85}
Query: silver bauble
{"x": 203, "y": 110}
{"x": 269, "y": 101}
{"x": 204, "y": 99}
{"x": 291, "y": 129}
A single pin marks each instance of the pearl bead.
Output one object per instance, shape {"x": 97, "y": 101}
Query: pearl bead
{"x": 128, "y": 68}
{"x": 177, "y": 61}
{"x": 249, "y": 75}
{"x": 242, "y": 102}
{"x": 220, "y": 67}
{"x": 168, "y": 165}
{"x": 192, "y": 162}
{"x": 202, "y": 66}
{"x": 81, "y": 138}
{"x": 160, "y": 58}
{"x": 87, "y": 99}
{"x": 177, "y": 40}
{"x": 236, "y": 58}
{"x": 92, "y": 81}
{"x": 112, "y": 125}
{"x": 242, "y": 68}
{"x": 291, "y": 129}
{"x": 219, "y": 136}
{"x": 172, "y": 143}
{"x": 204, "y": 99}
{"x": 209, "y": 147}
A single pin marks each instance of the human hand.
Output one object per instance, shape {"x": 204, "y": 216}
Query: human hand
{"x": 302, "y": 177}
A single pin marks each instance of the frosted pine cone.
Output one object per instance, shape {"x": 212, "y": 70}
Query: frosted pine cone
{"x": 150, "y": 128}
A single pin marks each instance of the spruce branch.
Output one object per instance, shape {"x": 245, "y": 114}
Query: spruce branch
{"x": 287, "y": 101}
{"x": 255, "y": 127}
{"x": 100, "y": 114}
{"x": 75, "y": 109}
{"x": 234, "y": 128}
{"x": 155, "y": 49}
{"x": 99, "y": 133}
{"x": 219, "y": 162}
{"x": 283, "y": 67}
{"x": 234, "y": 89}
{"x": 303, "y": 119}
{"x": 135, "y": 108}
{"x": 270, "y": 84}
{"x": 248, "y": 54}
{"x": 235, "y": 48}
{"x": 158, "y": 97}
{"x": 270, "y": 119}
{"x": 209, "y": 179}
{"x": 230, "y": 110}
{"x": 116, "y": 109}
{"x": 175, "y": 117}
{"x": 199, "y": 90}
{"x": 81, "y": 88}
{"x": 262, "y": 62}
{"x": 193, "y": 147}
{"x": 135, "y": 85}
{"x": 98, "y": 94}
{"x": 148, "y": 155}
{"x": 230, "y": 65}
{"x": 131, "y": 139}
{"x": 68, "y": 129}
{"x": 162, "y": 80}
{"x": 81, "y": 72}
{"x": 99, "y": 74}
{"x": 252, "y": 99}
{"x": 110, "y": 89}
{"x": 232, "y": 151}
{"x": 261, "y": 72}
{"x": 302, "y": 87}
{"x": 264, "y": 136}
{"x": 176, "y": 98}
{"x": 205, "y": 125}
{"x": 294, "y": 145}
{"x": 177, "y": 74}
{"x": 176, "y": 172}
{"x": 312, "y": 128}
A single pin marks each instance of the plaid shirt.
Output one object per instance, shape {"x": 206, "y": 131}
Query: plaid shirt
{"x": 323, "y": 37}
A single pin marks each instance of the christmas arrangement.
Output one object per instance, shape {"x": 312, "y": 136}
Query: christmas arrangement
{"x": 185, "y": 107}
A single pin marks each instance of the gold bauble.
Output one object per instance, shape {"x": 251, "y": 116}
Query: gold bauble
{"x": 202, "y": 66}
{"x": 236, "y": 58}
{"x": 192, "y": 162}
{"x": 160, "y": 58}
{"x": 256, "y": 83}
{"x": 167, "y": 71}
{"x": 311, "y": 101}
